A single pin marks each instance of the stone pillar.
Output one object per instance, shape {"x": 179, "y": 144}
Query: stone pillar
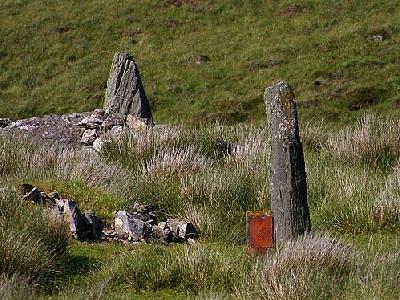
{"x": 288, "y": 177}
{"x": 125, "y": 94}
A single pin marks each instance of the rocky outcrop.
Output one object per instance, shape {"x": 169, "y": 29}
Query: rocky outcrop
{"x": 126, "y": 108}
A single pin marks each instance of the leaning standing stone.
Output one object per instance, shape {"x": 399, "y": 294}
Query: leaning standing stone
{"x": 288, "y": 177}
{"x": 125, "y": 94}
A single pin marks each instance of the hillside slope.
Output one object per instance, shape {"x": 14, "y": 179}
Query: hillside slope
{"x": 204, "y": 60}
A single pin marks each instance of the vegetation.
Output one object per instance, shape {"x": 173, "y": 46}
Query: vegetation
{"x": 55, "y": 56}
{"x": 205, "y": 64}
{"x": 353, "y": 198}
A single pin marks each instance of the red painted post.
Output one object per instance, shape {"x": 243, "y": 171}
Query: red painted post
{"x": 260, "y": 232}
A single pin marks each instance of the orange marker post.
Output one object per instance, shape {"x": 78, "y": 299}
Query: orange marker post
{"x": 260, "y": 232}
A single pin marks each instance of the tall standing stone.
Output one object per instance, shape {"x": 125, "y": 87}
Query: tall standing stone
{"x": 125, "y": 94}
{"x": 288, "y": 176}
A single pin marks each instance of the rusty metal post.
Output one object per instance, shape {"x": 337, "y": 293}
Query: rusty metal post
{"x": 260, "y": 232}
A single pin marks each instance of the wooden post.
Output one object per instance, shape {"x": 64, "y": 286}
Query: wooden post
{"x": 288, "y": 177}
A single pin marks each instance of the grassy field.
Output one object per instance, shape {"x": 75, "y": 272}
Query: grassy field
{"x": 353, "y": 187}
{"x": 55, "y": 56}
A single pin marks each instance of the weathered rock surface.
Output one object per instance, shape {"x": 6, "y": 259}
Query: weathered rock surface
{"x": 125, "y": 94}
{"x": 89, "y": 136}
{"x": 130, "y": 227}
{"x": 55, "y": 129}
{"x": 288, "y": 176}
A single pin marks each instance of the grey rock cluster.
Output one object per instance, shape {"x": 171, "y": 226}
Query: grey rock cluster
{"x": 138, "y": 226}
{"x": 83, "y": 226}
{"x": 141, "y": 226}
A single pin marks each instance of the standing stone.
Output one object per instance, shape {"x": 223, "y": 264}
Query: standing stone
{"x": 288, "y": 177}
{"x": 125, "y": 94}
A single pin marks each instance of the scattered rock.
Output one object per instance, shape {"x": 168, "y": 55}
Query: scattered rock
{"x": 175, "y": 230}
{"x": 138, "y": 226}
{"x": 4, "y": 122}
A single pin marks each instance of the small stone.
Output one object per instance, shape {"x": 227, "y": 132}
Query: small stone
{"x": 137, "y": 123}
{"x": 54, "y": 195}
{"x": 203, "y": 59}
{"x": 98, "y": 144}
{"x": 175, "y": 230}
{"x": 4, "y": 122}
{"x": 72, "y": 215}
{"x": 89, "y": 136}
{"x": 91, "y": 122}
{"x": 34, "y": 195}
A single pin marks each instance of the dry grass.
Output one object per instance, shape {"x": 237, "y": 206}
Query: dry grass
{"x": 31, "y": 244}
{"x": 372, "y": 140}
{"x": 15, "y": 288}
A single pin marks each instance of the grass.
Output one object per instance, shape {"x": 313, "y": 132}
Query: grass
{"x": 55, "y": 56}
{"x": 353, "y": 194}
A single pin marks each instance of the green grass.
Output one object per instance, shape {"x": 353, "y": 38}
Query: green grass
{"x": 55, "y": 56}
{"x": 353, "y": 192}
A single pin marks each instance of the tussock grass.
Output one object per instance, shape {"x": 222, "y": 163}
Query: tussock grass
{"x": 372, "y": 140}
{"x": 31, "y": 243}
{"x": 211, "y": 176}
{"x": 15, "y": 288}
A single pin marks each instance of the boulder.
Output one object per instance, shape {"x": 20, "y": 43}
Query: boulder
{"x": 125, "y": 94}
{"x": 93, "y": 226}
{"x": 72, "y": 215}
{"x": 131, "y": 227}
